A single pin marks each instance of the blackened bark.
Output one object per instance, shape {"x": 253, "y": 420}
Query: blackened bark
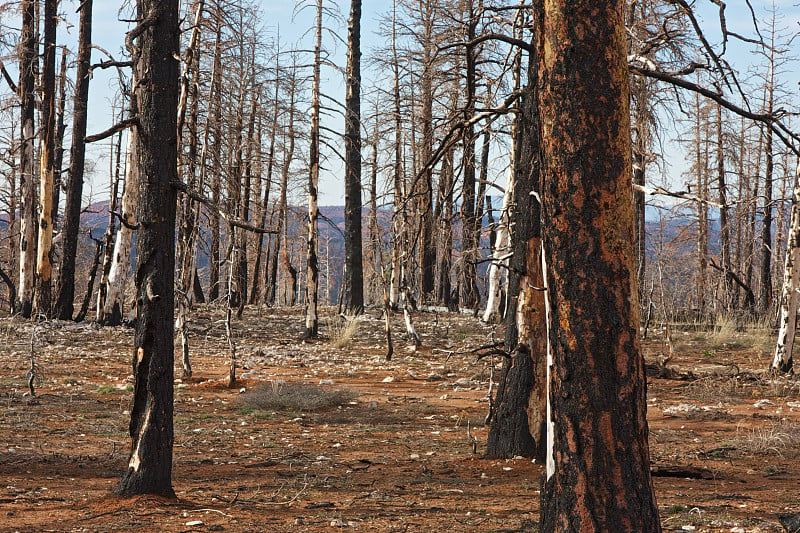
{"x": 61, "y": 127}
{"x": 216, "y": 105}
{"x": 511, "y": 432}
{"x": 765, "y": 302}
{"x": 598, "y": 467}
{"x": 424, "y": 185}
{"x": 255, "y": 290}
{"x": 312, "y": 266}
{"x": 469, "y": 287}
{"x": 354, "y": 268}
{"x": 87, "y": 297}
{"x": 443, "y": 214}
{"x": 150, "y": 464}
{"x": 72, "y": 210}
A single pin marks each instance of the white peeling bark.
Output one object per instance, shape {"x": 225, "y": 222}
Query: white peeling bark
{"x": 550, "y": 460}
{"x": 500, "y": 257}
{"x": 782, "y": 360}
{"x": 121, "y": 261}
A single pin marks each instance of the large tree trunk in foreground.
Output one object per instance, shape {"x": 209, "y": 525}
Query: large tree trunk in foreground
{"x": 65, "y": 297}
{"x": 150, "y": 464}
{"x": 598, "y": 464}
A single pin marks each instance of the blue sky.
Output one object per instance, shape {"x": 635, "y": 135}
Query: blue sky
{"x": 109, "y": 33}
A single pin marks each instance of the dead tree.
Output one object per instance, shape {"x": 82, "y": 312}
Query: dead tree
{"x": 150, "y": 464}
{"x": 72, "y": 210}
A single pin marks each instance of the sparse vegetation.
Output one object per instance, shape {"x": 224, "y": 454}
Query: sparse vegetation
{"x": 341, "y": 330}
{"x": 781, "y": 438}
{"x": 296, "y": 398}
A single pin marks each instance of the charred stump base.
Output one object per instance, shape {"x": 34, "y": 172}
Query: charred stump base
{"x": 509, "y": 434}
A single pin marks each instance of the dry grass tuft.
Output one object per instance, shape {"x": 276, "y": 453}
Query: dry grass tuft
{"x": 724, "y": 333}
{"x": 296, "y": 397}
{"x": 782, "y": 438}
{"x": 341, "y": 330}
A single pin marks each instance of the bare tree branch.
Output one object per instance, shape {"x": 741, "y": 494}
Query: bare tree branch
{"x": 116, "y": 128}
{"x": 234, "y": 221}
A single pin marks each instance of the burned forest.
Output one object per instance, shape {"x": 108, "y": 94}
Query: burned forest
{"x": 405, "y": 265}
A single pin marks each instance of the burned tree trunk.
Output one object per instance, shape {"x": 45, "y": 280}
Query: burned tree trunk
{"x": 27, "y": 181}
{"x": 598, "y": 463}
{"x": 312, "y": 267}
{"x": 44, "y": 261}
{"x": 354, "y": 294}
{"x": 518, "y": 422}
{"x": 110, "y": 300}
{"x": 787, "y": 326}
{"x": 65, "y": 297}
{"x": 150, "y": 464}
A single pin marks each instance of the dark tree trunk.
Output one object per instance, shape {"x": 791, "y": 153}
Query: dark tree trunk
{"x": 469, "y": 287}
{"x": 517, "y": 426}
{"x": 150, "y": 465}
{"x": 312, "y": 266}
{"x": 72, "y": 210}
{"x": 61, "y": 127}
{"x": 216, "y": 105}
{"x": 354, "y": 268}
{"x": 282, "y": 234}
{"x": 424, "y": 185}
{"x": 444, "y": 217}
{"x": 765, "y": 302}
{"x": 255, "y": 290}
{"x": 87, "y": 297}
{"x": 598, "y": 464}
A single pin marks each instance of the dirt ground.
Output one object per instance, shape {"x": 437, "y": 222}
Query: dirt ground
{"x": 398, "y": 454}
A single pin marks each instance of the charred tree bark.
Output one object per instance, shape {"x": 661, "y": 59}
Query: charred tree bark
{"x": 263, "y": 210}
{"x": 469, "y": 223}
{"x": 61, "y": 127}
{"x": 518, "y": 421}
{"x": 282, "y": 235}
{"x": 216, "y": 106}
{"x": 443, "y": 214}
{"x": 312, "y": 266}
{"x": 150, "y": 464}
{"x": 424, "y": 192}
{"x": 598, "y": 464}
{"x": 765, "y": 302}
{"x": 353, "y": 250}
{"x": 397, "y": 169}
{"x": 724, "y": 226}
{"x": 65, "y": 297}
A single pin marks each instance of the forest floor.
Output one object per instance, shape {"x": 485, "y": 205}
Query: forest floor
{"x": 367, "y": 444}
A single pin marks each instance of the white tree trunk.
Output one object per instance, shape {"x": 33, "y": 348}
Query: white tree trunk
{"x": 121, "y": 261}
{"x": 782, "y": 360}
{"x": 500, "y": 257}
{"x": 27, "y": 247}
